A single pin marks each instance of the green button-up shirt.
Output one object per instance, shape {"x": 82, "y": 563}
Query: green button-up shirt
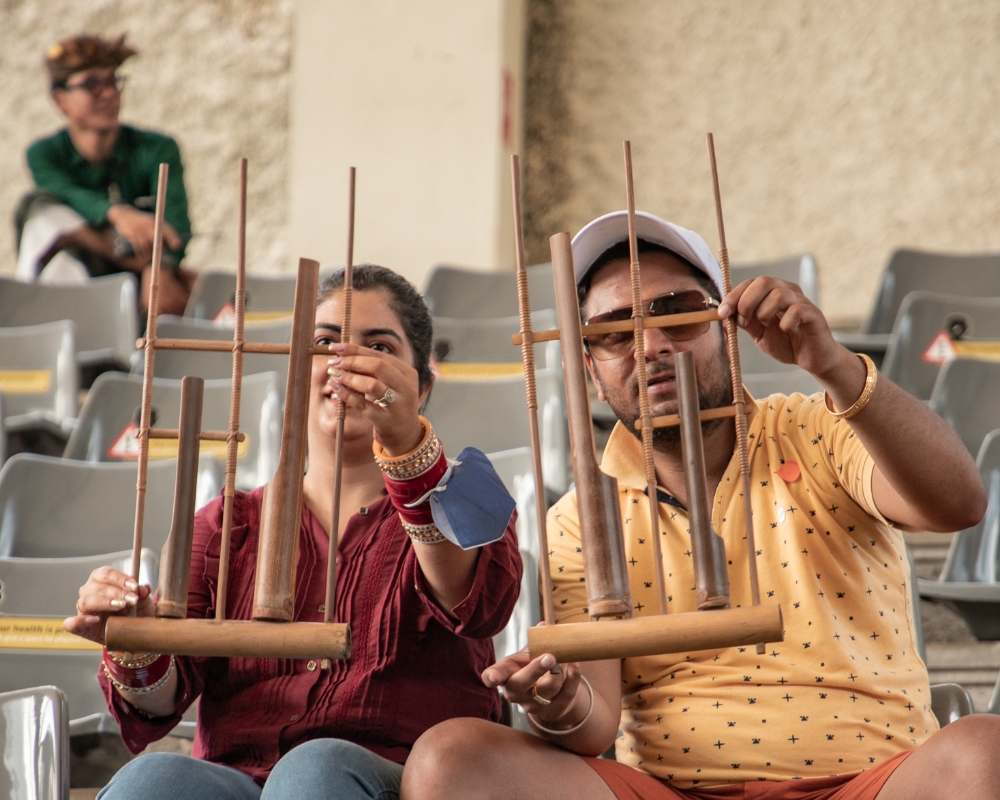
{"x": 129, "y": 175}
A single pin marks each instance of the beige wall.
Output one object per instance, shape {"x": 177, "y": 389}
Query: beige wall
{"x": 412, "y": 94}
{"x": 843, "y": 128}
{"x": 212, "y": 73}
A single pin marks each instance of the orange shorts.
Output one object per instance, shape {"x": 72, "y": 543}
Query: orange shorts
{"x": 631, "y": 784}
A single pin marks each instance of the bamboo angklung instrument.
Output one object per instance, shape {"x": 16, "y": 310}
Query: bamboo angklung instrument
{"x": 280, "y": 513}
{"x": 645, "y": 418}
{"x": 531, "y": 395}
{"x": 739, "y": 399}
{"x": 338, "y": 457}
{"x": 603, "y": 547}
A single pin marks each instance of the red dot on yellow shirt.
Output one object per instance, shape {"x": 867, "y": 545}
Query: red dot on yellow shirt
{"x": 789, "y": 472}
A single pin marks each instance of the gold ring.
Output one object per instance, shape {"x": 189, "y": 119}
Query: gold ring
{"x": 542, "y": 701}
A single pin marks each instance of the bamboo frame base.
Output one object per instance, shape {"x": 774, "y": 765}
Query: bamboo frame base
{"x": 658, "y": 635}
{"x": 229, "y": 638}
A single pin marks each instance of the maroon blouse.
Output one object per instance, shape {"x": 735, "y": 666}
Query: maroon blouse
{"x": 411, "y": 667}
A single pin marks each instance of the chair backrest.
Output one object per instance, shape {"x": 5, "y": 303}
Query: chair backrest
{"x": 487, "y": 341}
{"x": 974, "y": 553}
{"x": 492, "y": 415}
{"x": 915, "y": 270}
{"x": 204, "y": 364}
{"x": 800, "y": 269}
{"x": 104, "y": 430}
{"x": 798, "y": 380}
{"x": 103, "y": 310}
{"x": 470, "y": 294}
{"x": 55, "y": 507}
{"x": 48, "y": 587}
{"x": 38, "y": 373}
{"x": 922, "y": 317}
{"x": 35, "y": 595}
{"x": 34, "y": 734}
{"x": 267, "y": 296}
{"x": 966, "y": 396}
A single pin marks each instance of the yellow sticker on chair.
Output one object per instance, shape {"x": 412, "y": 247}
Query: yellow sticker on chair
{"x": 126, "y": 446}
{"x": 25, "y": 381}
{"x": 479, "y": 372}
{"x": 39, "y": 633}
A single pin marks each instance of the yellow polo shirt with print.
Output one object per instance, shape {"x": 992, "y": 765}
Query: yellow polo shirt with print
{"x": 845, "y": 690}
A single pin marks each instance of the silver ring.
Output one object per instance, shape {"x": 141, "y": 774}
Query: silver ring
{"x": 80, "y": 611}
{"x": 386, "y": 400}
{"x": 542, "y": 701}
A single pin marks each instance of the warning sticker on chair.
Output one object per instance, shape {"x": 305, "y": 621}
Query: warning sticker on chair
{"x": 126, "y": 446}
{"x": 25, "y": 381}
{"x": 39, "y": 633}
{"x": 943, "y": 349}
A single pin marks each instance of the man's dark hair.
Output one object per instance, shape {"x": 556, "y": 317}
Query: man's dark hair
{"x": 405, "y": 301}
{"x": 621, "y": 250}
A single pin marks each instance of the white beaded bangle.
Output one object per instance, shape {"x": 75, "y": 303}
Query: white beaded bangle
{"x": 578, "y": 725}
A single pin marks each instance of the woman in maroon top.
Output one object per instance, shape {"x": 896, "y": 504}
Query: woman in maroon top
{"x": 422, "y": 610}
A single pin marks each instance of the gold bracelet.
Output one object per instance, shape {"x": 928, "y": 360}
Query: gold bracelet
{"x": 423, "y": 534}
{"x": 138, "y": 661}
{"x": 871, "y": 378}
{"x": 416, "y": 462}
{"x": 554, "y": 731}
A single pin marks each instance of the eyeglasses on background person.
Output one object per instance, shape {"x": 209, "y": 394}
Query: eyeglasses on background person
{"x": 94, "y": 85}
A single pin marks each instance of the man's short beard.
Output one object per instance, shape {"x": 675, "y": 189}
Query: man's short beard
{"x": 716, "y": 394}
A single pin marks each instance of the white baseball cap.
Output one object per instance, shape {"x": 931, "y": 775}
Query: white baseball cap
{"x": 609, "y": 230}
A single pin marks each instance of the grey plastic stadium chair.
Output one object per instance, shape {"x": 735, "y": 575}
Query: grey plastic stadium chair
{"x": 786, "y": 382}
{"x": 266, "y": 295}
{"x": 492, "y": 415}
{"x": 922, "y": 317}
{"x": 488, "y": 340}
{"x": 54, "y": 507}
{"x": 38, "y": 377}
{"x": 967, "y": 396}
{"x": 47, "y": 589}
{"x": 799, "y": 269}
{"x": 178, "y": 363}
{"x": 103, "y": 311}
{"x": 469, "y": 293}
{"x": 113, "y": 404}
{"x": 916, "y": 270}
{"x": 34, "y": 742}
{"x": 969, "y": 582}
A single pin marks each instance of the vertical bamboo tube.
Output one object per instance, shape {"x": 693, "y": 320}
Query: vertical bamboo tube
{"x": 645, "y": 416}
{"x": 338, "y": 457}
{"x": 232, "y": 443}
{"x": 281, "y": 507}
{"x": 531, "y": 396}
{"x": 608, "y": 593}
{"x": 739, "y": 399}
{"x": 149, "y": 356}
{"x": 175, "y": 559}
{"x": 708, "y": 551}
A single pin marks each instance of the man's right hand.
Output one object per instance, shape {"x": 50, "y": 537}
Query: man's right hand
{"x": 137, "y": 226}
{"x": 107, "y": 592}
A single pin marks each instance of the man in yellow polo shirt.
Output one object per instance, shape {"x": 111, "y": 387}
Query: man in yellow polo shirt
{"x": 841, "y": 708}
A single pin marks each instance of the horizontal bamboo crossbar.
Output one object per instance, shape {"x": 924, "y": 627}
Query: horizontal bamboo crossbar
{"x": 656, "y": 635}
{"x": 621, "y": 326}
{"x": 213, "y": 346}
{"x": 205, "y": 436}
{"x": 671, "y": 420}
{"x": 228, "y": 638}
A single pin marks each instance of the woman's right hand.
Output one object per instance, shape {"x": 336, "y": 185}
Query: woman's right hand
{"x": 547, "y": 694}
{"x": 107, "y": 592}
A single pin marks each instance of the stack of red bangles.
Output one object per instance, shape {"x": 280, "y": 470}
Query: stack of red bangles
{"x": 141, "y": 674}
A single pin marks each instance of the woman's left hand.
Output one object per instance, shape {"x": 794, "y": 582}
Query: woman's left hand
{"x": 384, "y": 389}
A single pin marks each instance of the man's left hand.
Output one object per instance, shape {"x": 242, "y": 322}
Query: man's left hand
{"x": 784, "y": 323}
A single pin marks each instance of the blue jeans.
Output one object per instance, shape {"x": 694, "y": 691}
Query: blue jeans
{"x": 323, "y": 769}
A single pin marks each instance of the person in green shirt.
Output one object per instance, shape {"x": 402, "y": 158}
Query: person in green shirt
{"x": 91, "y": 213}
